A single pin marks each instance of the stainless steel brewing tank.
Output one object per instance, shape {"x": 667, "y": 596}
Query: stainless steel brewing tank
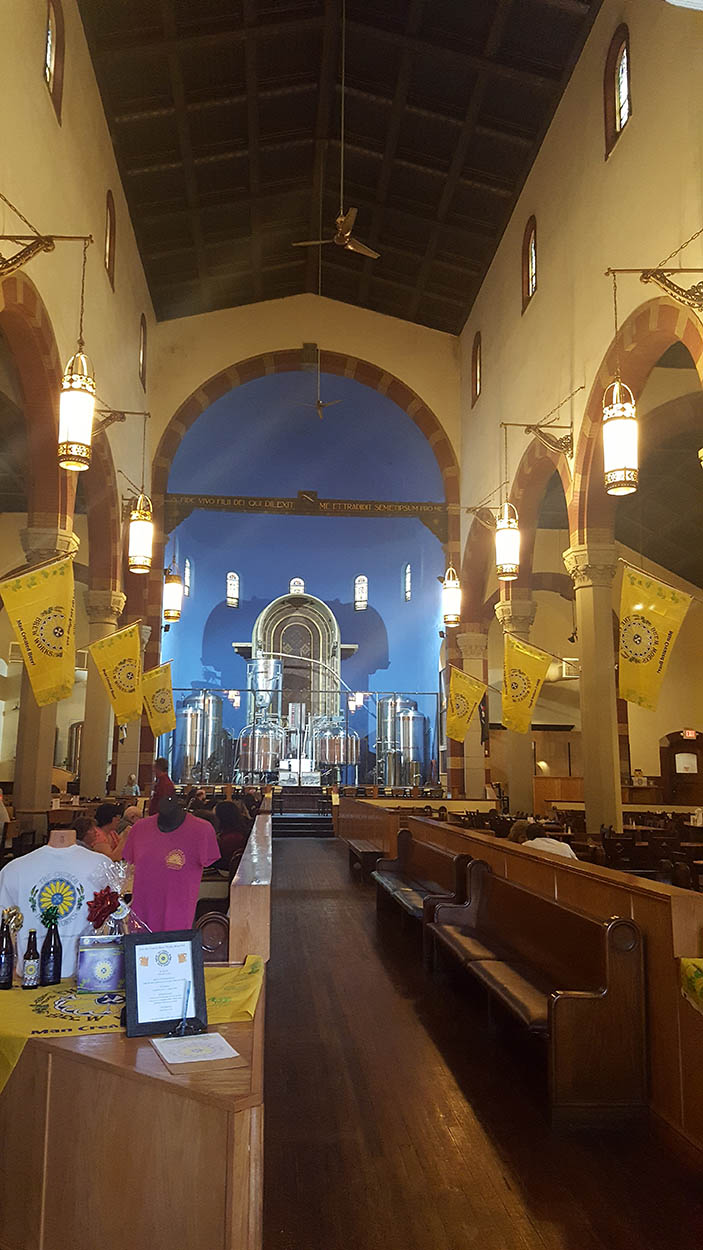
{"x": 330, "y": 741}
{"x": 352, "y": 751}
{"x": 199, "y": 733}
{"x": 261, "y": 746}
{"x": 388, "y": 711}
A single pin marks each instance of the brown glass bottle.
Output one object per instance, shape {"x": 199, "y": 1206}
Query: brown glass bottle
{"x": 7, "y": 957}
{"x": 30, "y": 970}
{"x": 51, "y": 953}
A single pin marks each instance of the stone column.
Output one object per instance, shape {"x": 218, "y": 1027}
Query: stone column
{"x": 36, "y": 730}
{"x": 592, "y": 568}
{"x": 103, "y": 608}
{"x": 517, "y": 615}
{"x": 473, "y": 645}
{"x": 128, "y": 749}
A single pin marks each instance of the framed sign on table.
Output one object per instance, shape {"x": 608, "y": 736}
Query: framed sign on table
{"x": 164, "y": 981}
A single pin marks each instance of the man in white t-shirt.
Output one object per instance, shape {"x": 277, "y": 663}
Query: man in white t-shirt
{"x": 65, "y": 877}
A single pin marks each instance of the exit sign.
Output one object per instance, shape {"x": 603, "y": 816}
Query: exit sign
{"x": 689, "y": 733}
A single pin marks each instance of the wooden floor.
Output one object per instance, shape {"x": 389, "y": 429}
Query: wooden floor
{"x": 395, "y": 1119}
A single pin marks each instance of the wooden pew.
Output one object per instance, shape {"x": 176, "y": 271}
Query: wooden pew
{"x": 418, "y": 878}
{"x": 572, "y": 980}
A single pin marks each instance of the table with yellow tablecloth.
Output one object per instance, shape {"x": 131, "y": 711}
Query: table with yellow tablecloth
{"x": 232, "y": 992}
{"x": 691, "y": 973}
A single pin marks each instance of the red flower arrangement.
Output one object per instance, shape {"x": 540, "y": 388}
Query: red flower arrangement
{"x": 102, "y": 905}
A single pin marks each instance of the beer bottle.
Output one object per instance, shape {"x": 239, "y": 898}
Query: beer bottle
{"x": 7, "y": 957}
{"x": 30, "y": 971}
{"x": 51, "y": 953}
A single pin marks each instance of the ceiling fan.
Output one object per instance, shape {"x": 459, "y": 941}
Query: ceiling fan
{"x": 320, "y": 404}
{"x": 345, "y": 220}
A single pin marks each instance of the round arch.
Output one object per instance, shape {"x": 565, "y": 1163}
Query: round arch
{"x": 643, "y": 338}
{"x": 26, "y": 325}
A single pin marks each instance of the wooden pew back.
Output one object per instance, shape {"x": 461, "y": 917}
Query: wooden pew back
{"x": 424, "y": 862}
{"x": 568, "y": 946}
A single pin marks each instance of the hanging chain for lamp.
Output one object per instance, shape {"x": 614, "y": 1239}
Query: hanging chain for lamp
{"x": 620, "y": 432}
{"x": 141, "y": 523}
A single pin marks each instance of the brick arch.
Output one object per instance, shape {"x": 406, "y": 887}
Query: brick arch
{"x": 533, "y": 472}
{"x": 529, "y": 484}
{"x": 25, "y": 323}
{"x": 293, "y": 361}
{"x": 643, "y": 338}
{"x": 104, "y": 520}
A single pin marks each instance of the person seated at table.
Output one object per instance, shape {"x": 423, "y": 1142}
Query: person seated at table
{"x": 522, "y": 832}
{"x": 195, "y": 798}
{"x": 234, "y": 827}
{"x": 127, "y": 819}
{"x": 103, "y": 836}
{"x": 131, "y": 787}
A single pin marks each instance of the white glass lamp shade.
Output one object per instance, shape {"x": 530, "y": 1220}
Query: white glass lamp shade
{"x": 451, "y": 598}
{"x": 234, "y": 698}
{"x": 620, "y": 440}
{"x": 173, "y": 595}
{"x": 507, "y": 544}
{"x": 141, "y": 536}
{"x": 359, "y": 698}
{"x": 76, "y": 409}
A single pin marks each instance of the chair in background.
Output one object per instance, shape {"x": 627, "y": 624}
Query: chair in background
{"x": 213, "y": 928}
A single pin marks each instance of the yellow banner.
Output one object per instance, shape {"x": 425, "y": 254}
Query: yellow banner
{"x": 158, "y": 699}
{"x": 465, "y": 694}
{"x": 524, "y": 671}
{"x": 41, "y": 611}
{"x": 118, "y": 659}
{"x": 651, "y": 615}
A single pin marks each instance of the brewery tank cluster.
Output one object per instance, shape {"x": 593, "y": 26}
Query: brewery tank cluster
{"x": 262, "y": 741}
{"x": 401, "y": 742}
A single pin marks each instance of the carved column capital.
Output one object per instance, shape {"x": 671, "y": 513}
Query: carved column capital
{"x": 473, "y": 644}
{"x": 43, "y": 542}
{"x": 517, "y": 615}
{"x": 104, "y": 607}
{"x": 591, "y": 564}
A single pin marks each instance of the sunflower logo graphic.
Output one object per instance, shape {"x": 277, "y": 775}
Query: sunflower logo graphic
{"x": 48, "y": 630}
{"x": 519, "y": 685}
{"x": 161, "y": 700}
{"x": 639, "y": 639}
{"x": 58, "y": 893}
{"x": 103, "y": 970}
{"x": 460, "y": 704}
{"x": 163, "y": 958}
{"x": 125, "y": 675}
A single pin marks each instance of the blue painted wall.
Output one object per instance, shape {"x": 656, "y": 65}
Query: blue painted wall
{"x": 261, "y": 440}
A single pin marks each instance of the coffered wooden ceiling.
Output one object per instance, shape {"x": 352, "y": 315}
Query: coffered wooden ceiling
{"x": 225, "y": 120}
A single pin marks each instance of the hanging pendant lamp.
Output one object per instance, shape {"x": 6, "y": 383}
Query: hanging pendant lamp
{"x": 620, "y": 429}
{"x": 77, "y": 400}
{"x": 451, "y": 598}
{"x": 173, "y": 594}
{"x": 141, "y": 536}
{"x": 507, "y": 543}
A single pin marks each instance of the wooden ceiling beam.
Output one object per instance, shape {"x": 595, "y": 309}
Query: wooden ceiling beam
{"x": 252, "y": 84}
{"x": 213, "y": 158}
{"x": 221, "y": 100}
{"x": 114, "y": 47}
{"x": 398, "y": 105}
{"x": 485, "y": 63}
{"x": 492, "y": 129}
{"x": 495, "y": 35}
{"x": 323, "y": 122}
{"x": 168, "y": 19}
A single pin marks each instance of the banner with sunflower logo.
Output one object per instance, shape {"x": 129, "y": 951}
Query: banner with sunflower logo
{"x": 158, "y": 699}
{"x": 465, "y": 694}
{"x": 524, "y": 671}
{"x": 118, "y": 659}
{"x": 651, "y": 615}
{"x": 40, "y": 607}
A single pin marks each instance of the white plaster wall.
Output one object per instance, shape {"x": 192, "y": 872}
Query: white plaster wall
{"x": 191, "y": 349}
{"x": 58, "y": 175}
{"x": 631, "y": 210}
